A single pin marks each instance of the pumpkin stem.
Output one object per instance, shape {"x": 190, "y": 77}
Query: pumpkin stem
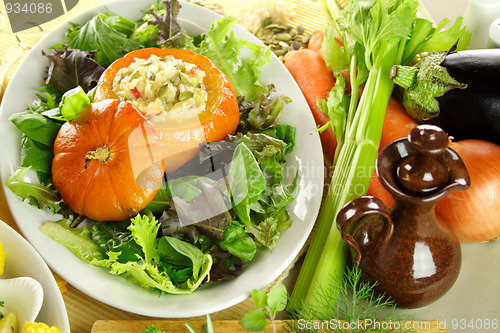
{"x": 100, "y": 154}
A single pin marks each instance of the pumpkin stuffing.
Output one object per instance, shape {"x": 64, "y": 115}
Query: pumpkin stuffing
{"x": 181, "y": 92}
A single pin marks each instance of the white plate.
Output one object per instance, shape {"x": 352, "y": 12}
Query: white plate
{"x": 97, "y": 282}
{"x": 21, "y": 259}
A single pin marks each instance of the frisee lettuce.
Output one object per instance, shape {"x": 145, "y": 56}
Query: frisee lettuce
{"x": 149, "y": 271}
{"x": 161, "y": 257}
{"x": 220, "y": 45}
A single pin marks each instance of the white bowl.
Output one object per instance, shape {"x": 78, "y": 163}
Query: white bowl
{"x": 22, "y": 260}
{"x": 306, "y": 159}
{"x": 23, "y": 296}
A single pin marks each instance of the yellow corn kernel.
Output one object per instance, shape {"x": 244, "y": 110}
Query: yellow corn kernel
{"x": 31, "y": 327}
{"x": 2, "y": 258}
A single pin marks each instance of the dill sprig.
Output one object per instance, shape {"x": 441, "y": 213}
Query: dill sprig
{"x": 353, "y": 302}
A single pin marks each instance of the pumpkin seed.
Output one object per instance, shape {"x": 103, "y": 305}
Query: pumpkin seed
{"x": 162, "y": 91}
{"x": 305, "y": 39}
{"x": 267, "y": 21}
{"x": 151, "y": 75}
{"x": 283, "y": 36}
{"x": 295, "y": 45}
{"x": 276, "y": 27}
{"x": 283, "y": 45}
{"x": 280, "y": 52}
{"x": 185, "y": 95}
{"x": 185, "y": 79}
{"x": 135, "y": 74}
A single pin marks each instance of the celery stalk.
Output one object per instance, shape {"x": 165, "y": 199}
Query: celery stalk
{"x": 326, "y": 257}
{"x": 354, "y": 164}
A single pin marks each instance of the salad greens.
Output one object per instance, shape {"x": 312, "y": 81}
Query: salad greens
{"x": 211, "y": 215}
{"x": 41, "y": 196}
{"x": 69, "y": 68}
{"x": 72, "y": 102}
{"x": 226, "y": 53}
{"x": 166, "y": 264}
{"x": 96, "y": 35}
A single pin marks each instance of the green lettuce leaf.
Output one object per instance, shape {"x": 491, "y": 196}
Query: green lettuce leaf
{"x": 96, "y": 35}
{"x": 227, "y": 53}
{"x": 73, "y": 101}
{"x": 149, "y": 271}
{"x": 76, "y": 240}
{"x": 115, "y": 237}
{"x": 249, "y": 182}
{"x": 41, "y": 196}
{"x": 238, "y": 242}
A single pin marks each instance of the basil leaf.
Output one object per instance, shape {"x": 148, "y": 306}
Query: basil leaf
{"x": 238, "y": 242}
{"x": 249, "y": 181}
{"x": 35, "y": 126}
{"x": 73, "y": 101}
{"x": 35, "y": 155}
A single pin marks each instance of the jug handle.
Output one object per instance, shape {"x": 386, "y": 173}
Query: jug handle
{"x": 355, "y": 210}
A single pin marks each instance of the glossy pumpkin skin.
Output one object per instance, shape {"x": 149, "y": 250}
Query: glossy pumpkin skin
{"x": 183, "y": 138}
{"x": 107, "y": 161}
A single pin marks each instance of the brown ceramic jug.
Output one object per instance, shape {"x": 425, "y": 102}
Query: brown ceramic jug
{"x": 412, "y": 259}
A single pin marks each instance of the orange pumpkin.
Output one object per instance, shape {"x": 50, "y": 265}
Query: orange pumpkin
{"x": 107, "y": 161}
{"x": 182, "y": 139}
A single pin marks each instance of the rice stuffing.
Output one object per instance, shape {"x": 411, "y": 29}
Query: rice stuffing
{"x": 162, "y": 86}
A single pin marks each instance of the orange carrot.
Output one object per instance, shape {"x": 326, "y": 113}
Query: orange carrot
{"x": 397, "y": 125}
{"x": 377, "y": 190}
{"x": 316, "y": 41}
{"x": 315, "y": 80}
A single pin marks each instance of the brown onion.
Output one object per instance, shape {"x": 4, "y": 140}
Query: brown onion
{"x": 474, "y": 214}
